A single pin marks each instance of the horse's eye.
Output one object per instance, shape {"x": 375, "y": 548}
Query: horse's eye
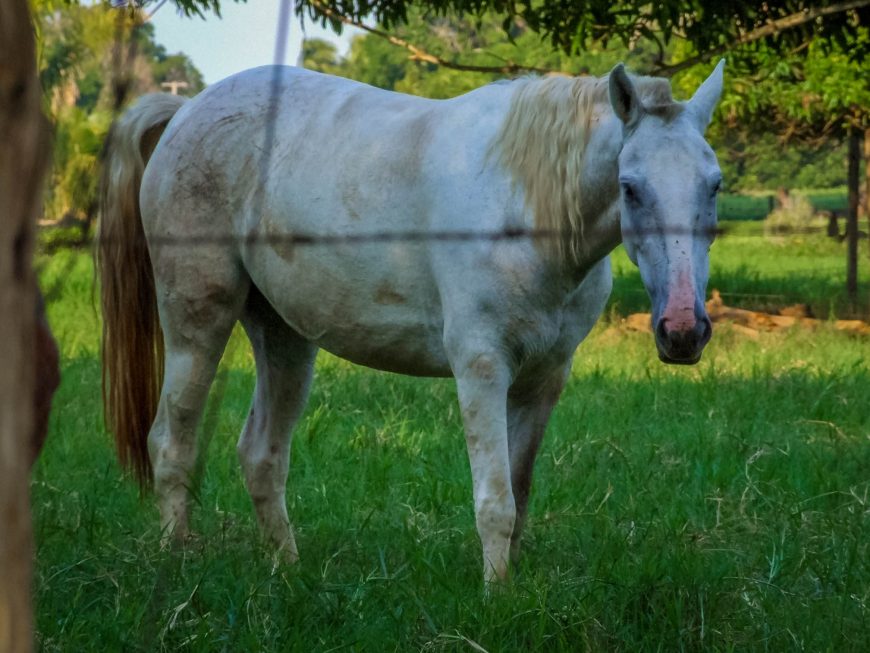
{"x": 629, "y": 192}
{"x": 716, "y": 188}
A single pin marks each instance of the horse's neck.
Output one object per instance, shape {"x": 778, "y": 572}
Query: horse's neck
{"x": 600, "y": 192}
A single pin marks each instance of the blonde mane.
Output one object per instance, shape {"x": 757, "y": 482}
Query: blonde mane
{"x": 543, "y": 140}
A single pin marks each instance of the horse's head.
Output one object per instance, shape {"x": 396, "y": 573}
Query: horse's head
{"x": 669, "y": 177}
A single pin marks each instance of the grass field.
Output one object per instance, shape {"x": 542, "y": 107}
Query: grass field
{"x": 724, "y": 507}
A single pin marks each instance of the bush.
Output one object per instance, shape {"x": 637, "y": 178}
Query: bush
{"x": 796, "y": 214}
{"x": 759, "y": 207}
{"x": 69, "y": 236}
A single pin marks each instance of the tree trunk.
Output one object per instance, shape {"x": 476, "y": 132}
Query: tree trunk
{"x": 852, "y": 215}
{"x": 24, "y": 139}
{"x": 867, "y": 182}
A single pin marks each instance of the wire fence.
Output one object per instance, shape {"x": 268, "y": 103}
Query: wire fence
{"x": 130, "y": 17}
{"x": 303, "y": 239}
{"x": 124, "y": 53}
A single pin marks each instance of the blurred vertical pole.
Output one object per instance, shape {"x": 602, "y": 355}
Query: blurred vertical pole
{"x": 852, "y": 215}
{"x": 23, "y": 146}
{"x": 867, "y": 185}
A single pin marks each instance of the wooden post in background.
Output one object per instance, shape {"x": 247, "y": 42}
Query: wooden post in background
{"x": 867, "y": 189}
{"x": 854, "y": 138}
{"x": 23, "y": 149}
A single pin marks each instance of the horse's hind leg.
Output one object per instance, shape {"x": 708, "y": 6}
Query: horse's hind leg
{"x": 198, "y": 309}
{"x": 284, "y": 367}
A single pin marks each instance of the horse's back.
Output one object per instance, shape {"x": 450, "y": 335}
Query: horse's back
{"x": 312, "y": 145}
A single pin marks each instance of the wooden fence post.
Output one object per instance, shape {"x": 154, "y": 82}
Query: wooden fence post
{"x": 867, "y": 184}
{"x": 854, "y": 138}
{"x": 23, "y": 149}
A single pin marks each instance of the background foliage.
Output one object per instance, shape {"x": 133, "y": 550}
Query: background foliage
{"x": 77, "y": 59}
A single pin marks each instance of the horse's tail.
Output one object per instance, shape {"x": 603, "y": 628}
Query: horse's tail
{"x": 132, "y": 347}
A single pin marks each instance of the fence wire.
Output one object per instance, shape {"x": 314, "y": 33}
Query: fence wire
{"x": 130, "y": 18}
{"x": 460, "y": 235}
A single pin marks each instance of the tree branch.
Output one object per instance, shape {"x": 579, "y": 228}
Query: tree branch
{"x": 419, "y": 54}
{"x": 151, "y": 13}
{"x": 772, "y": 27}
{"x": 780, "y": 25}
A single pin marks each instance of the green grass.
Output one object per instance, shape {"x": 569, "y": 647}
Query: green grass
{"x": 722, "y": 507}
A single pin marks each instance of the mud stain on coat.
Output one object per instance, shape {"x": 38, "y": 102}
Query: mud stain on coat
{"x": 385, "y": 294}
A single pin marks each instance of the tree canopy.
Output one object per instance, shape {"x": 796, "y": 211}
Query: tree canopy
{"x": 752, "y": 153}
{"x": 572, "y": 25}
{"x": 709, "y": 26}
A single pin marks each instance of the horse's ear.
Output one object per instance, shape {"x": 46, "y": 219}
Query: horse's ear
{"x": 623, "y": 97}
{"x": 705, "y": 98}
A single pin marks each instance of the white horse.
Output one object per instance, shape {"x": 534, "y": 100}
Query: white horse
{"x": 585, "y": 162}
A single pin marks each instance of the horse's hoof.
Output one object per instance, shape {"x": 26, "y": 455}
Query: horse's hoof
{"x": 177, "y": 538}
{"x": 496, "y": 587}
{"x": 284, "y": 557}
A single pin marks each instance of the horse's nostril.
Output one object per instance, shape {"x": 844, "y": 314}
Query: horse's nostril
{"x": 662, "y": 331}
{"x": 707, "y": 333}
{"x": 682, "y": 345}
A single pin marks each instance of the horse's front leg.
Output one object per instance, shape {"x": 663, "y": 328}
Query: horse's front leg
{"x": 528, "y": 409}
{"x": 482, "y": 383}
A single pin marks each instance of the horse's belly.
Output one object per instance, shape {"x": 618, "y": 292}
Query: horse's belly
{"x": 414, "y": 351}
{"x": 390, "y": 340}
{"x": 359, "y": 309}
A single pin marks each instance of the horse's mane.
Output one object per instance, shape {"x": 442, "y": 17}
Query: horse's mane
{"x": 544, "y": 137}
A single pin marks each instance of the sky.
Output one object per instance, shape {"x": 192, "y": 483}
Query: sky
{"x": 244, "y": 37}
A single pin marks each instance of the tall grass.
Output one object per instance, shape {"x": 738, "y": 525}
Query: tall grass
{"x": 722, "y": 507}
